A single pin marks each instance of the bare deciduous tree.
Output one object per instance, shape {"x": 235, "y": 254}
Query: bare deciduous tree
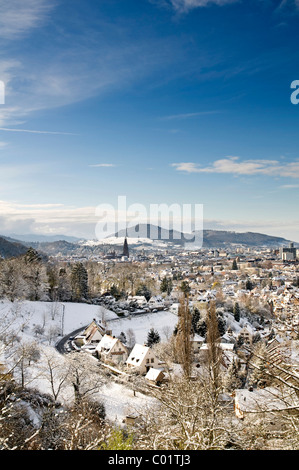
{"x": 84, "y": 375}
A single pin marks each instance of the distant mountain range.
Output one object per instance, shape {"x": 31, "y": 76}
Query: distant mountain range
{"x": 214, "y": 238}
{"x": 211, "y": 238}
{"x": 141, "y": 236}
{"x": 31, "y": 237}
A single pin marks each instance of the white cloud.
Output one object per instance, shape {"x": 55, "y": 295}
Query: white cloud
{"x": 91, "y": 63}
{"x": 48, "y": 218}
{"x": 184, "y": 6}
{"x": 233, "y": 166}
{"x": 18, "y": 17}
{"x": 289, "y": 186}
{"x": 187, "y": 5}
{"x": 31, "y": 131}
{"x": 98, "y": 165}
{"x": 187, "y": 115}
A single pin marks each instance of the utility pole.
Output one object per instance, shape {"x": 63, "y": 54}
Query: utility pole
{"x": 62, "y": 319}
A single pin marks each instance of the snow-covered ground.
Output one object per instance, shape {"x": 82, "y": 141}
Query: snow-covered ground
{"x": 51, "y": 318}
{"x": 67, "y": 316}
{"x": 162, "y": 321}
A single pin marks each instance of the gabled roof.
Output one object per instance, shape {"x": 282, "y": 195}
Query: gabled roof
{"x": 138, "y": 353}
{"x": 107, "y": 343}
{"x": 93, "y": 326}
{"x": 154, "y": 374}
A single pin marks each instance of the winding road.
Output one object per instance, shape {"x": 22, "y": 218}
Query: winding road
{"x": 60, "y": 346}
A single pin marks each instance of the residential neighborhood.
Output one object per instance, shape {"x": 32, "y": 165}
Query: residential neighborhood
{"x": 256, "y": 294}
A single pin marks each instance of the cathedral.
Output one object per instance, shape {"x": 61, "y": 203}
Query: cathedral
{"x": 126, "y": 248}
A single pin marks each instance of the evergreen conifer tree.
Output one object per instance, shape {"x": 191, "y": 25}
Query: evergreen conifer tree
{"x": 195, "y": 319}
{"x": 153, "y": 337}
{"x": 234, "y": 265}
{"x": 237, "y": 312}
{"x": 79, "y": 282}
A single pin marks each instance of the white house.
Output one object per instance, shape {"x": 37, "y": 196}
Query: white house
{"x": 112, "y": 349}
{"x": 139, "y": 299}
{"x": 156, "y": 303}
{"x": 141, "y": 359}
{"x": 174, "y": 308}
{"x": 197, "y": 342}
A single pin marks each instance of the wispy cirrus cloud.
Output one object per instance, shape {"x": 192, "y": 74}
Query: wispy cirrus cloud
{"x": 289, "y": 186}
{"x": 32, "y": 131}
{"x": 92, "y": 60}
{"x": 183, "y": 6}
{"x": 232, "y": 165}
{"x": 183, "y": 116}
{"x": 102, "y": 165}
{"x": 18, "y": 17}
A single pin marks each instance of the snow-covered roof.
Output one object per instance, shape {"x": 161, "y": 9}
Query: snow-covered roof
{"x": 153, "y": 374}
{"x": 137, "y": 354}
{"x": 107, "y": 343}
{"x": 224, "y": 346}
{"x": 198, "y": 338}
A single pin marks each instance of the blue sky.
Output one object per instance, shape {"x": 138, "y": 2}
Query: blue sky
{"x": 163, "y": 101}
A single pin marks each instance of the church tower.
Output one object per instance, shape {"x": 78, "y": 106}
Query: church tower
{"x": 126, "y": 247}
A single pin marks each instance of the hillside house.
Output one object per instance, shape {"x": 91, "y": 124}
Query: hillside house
{"x": 227, "y": 353}
{"x": 247, "y": 334}
{"x": 196, "y": 342}
{"x": 174, "y": 308}
{"x": 156, "y": 303}
{"x": 111, "y": 349}
{"x": 92, "y": 334}
{"x": 155, "y": 376}
{"x": 140, "y": 300}
{"x": 141, "y": 359}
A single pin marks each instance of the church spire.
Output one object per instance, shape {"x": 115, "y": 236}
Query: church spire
{"x": 126, "y": 247}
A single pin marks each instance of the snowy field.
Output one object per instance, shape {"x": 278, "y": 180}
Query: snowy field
{"x": 163, "y": 322}
{"x": 68, "y": 317}
{"x": 43, "y": 322}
